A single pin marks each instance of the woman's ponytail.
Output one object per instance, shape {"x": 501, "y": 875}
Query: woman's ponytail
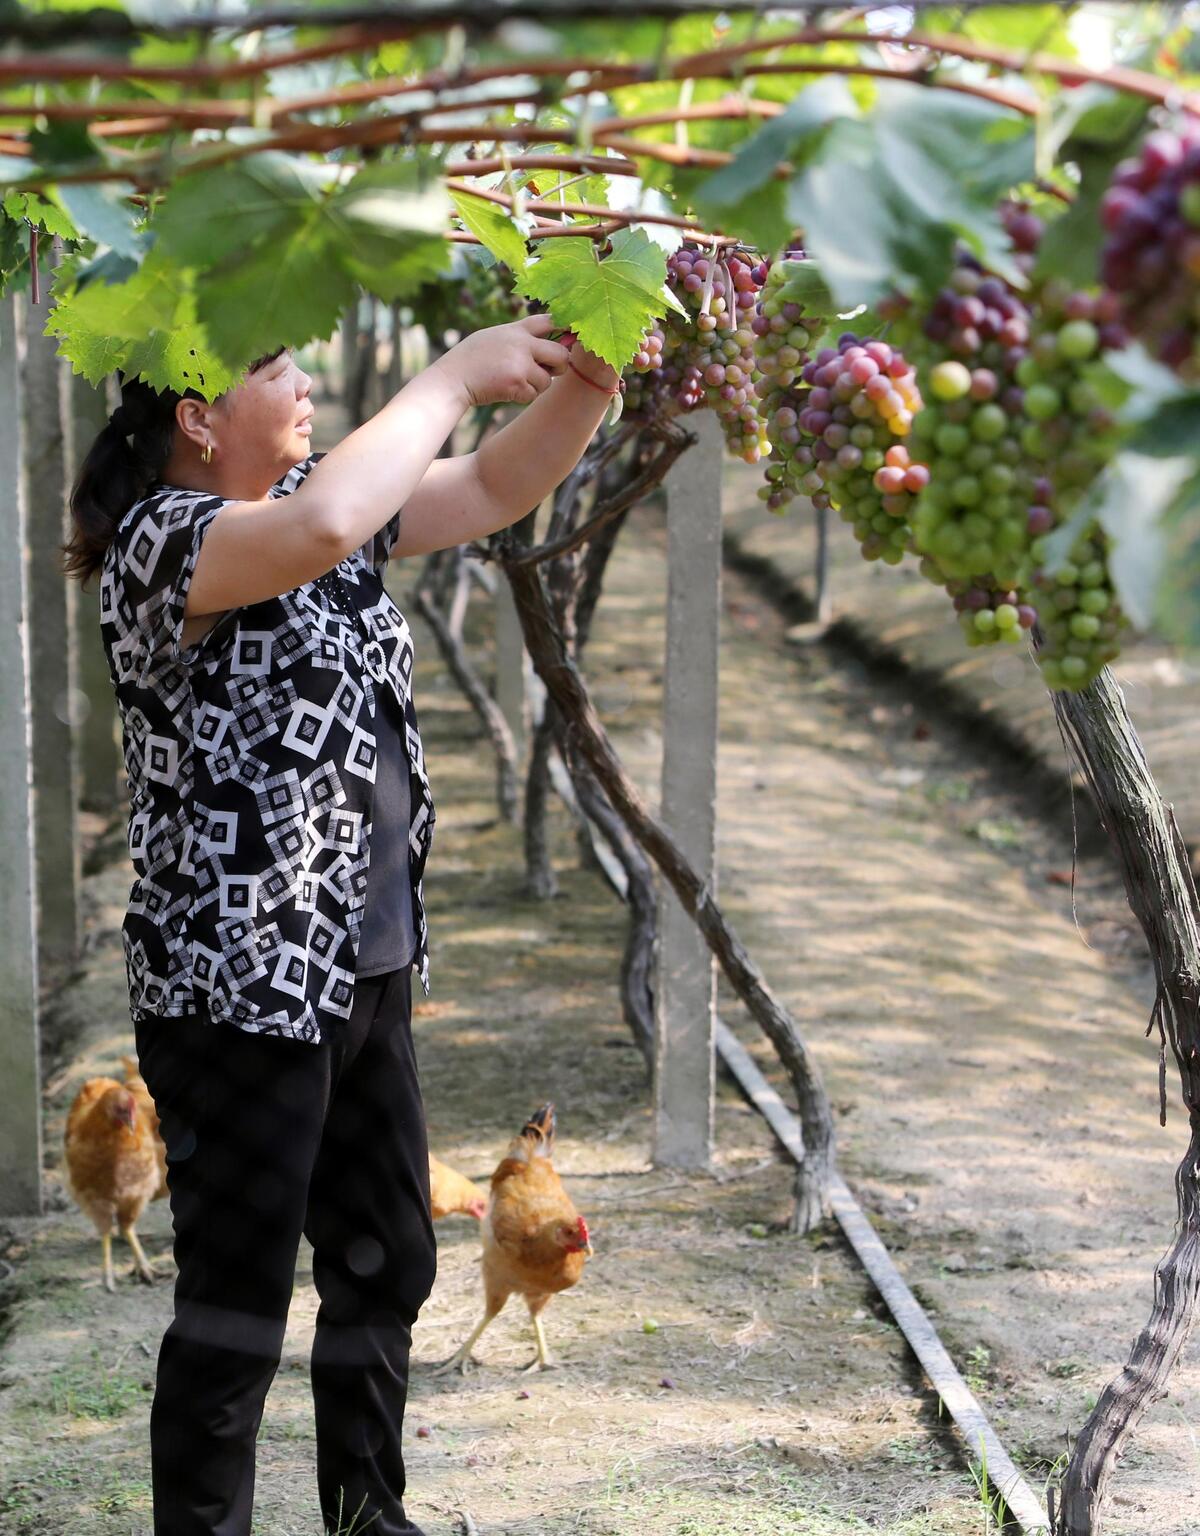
{"x": 126, "y": 459}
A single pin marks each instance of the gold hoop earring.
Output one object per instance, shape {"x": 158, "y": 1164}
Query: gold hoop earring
{"x": 207, "y": 454}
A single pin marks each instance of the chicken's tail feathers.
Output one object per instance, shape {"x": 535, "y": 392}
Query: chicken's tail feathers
{"x": 538, "y": 1131}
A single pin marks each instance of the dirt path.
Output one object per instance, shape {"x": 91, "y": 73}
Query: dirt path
{"x": 996, "y": 1108}
{"x": 997, "y": 1102}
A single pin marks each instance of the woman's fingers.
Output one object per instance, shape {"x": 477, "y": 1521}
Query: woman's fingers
{"x": 538, "y": 325}
{"x": 551, "y": 355}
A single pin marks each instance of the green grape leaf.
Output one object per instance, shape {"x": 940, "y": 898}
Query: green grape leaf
{"x": 1096, "y": 116}
{"x": 780, "y": 138}
{"x": 100, "y": 212}
{"x": 63, "y": 142}
{"x": 399, "y": 271}
{"x": 1178, "y": 599}
{"x": 491, "y": 224}
{"x": 209, "y": 216}
{"x": 393, "y": 197}
{"x": 14, "y": 248}
{"x": 883, "y": 199}
{"x": 145, "y": 325}
{"x": 149, "y": 300}
{"x": 285, "y": 292}
{"x": 180, "y": 360}
{"x": 388, "y": 224}
{"x": 40, "y": 210}
{"x": 609, "y": 304}
{"x": 1068, "y": 246}
{"x": 1130, "y": 501}
{"x": 806, "y": 286}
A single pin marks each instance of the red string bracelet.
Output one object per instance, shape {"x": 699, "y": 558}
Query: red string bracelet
{"x": 592, "y": 382}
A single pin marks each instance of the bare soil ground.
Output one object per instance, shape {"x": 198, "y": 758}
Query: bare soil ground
{"x": 997, "y": 1111}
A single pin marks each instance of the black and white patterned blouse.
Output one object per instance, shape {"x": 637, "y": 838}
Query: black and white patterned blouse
{"x": 251, "y": 764}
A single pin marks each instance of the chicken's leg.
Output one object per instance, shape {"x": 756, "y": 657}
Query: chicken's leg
{"x": 462, "y": 1355}
{"x": 541, "y": 1361}
{"x": 145, "y": 1270}
{"x": 110, "y": 1283}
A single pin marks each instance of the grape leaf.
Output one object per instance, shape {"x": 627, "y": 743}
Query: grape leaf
{"x": 284, "y": 293}
{"x": 178, "y": 360}
{"x": 1130, "y": 500}
{"x": 805, "y": 286}
{"x": 883, "y": 199}
{"x": 491, "y": 224}
{"x": 1177, "y": 608}
{"x": 387, "y": 227}
{"x": 211, "y": 215}
{"x": 609, "y": 304}
{"x": 42, "y": 211}
{"x": 101, "y": 212}
{"x": 785, "y": 137}
{"x": 146, "y": 326}
{"x": 149, "y": 300}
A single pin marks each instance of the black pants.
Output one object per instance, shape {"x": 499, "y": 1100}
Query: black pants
{"x": 267, "y": 1138}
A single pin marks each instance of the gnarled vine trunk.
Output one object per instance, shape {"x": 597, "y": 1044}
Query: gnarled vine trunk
{"x": 1158, "y": 882}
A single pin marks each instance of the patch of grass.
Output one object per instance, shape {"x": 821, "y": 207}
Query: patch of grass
{"x": 121, "y": 1495}
{"x": 948, "y": 791}
{"x": 88, "y": 1390}
{"x": 978, "y": 1374}
{"x": 997, "y": 833}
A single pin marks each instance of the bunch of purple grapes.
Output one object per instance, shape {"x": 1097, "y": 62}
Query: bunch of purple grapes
{"x": 861, "y": 403}
{"x": 707, "y": 357}
{"x": 1150, "y": 264}
{"x": 782, "y": 335}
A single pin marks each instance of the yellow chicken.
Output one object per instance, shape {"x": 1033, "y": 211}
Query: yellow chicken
{"x": 452, "y": 1192}
{"x": 111, "y": 1166}
{"x": 534, "y": 1240}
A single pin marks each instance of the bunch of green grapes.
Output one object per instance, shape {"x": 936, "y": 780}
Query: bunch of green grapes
{"x": 970, "y": 523}
{"x": 1015, "y": 432}
{"x": 706, "y": 357}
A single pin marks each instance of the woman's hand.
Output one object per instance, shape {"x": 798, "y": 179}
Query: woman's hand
{"x": 514, "y": 363}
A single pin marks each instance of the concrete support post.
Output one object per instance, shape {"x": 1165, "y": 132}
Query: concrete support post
{"x": 99, "y": 752}
{"x": 510, "y": 666}
{"x": 685, "y": 990}
{"x": 20, "y": 1086}
{"x": 52, "y": 651}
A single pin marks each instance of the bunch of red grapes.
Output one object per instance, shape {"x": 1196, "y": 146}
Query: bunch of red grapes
{"x": 1150, "y": 263}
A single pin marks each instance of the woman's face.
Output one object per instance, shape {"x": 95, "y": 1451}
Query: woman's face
{"x": 262, "y": 426}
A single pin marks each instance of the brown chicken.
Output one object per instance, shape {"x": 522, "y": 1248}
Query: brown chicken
{"x": 136, "y": 1084}
{"x": 534, "y": 1240}
{"x": 111, "y": 1165}
{"x": 453, "y": 1193}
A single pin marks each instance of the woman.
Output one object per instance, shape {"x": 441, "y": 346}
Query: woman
{"x": 280, "y": 819}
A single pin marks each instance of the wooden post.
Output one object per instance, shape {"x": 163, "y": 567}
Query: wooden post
{"x": 51, "y": 650}
{"x": 685, "y": 991}
{"x": 99, "y": 752}
{"x": 20, "y": 1086}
